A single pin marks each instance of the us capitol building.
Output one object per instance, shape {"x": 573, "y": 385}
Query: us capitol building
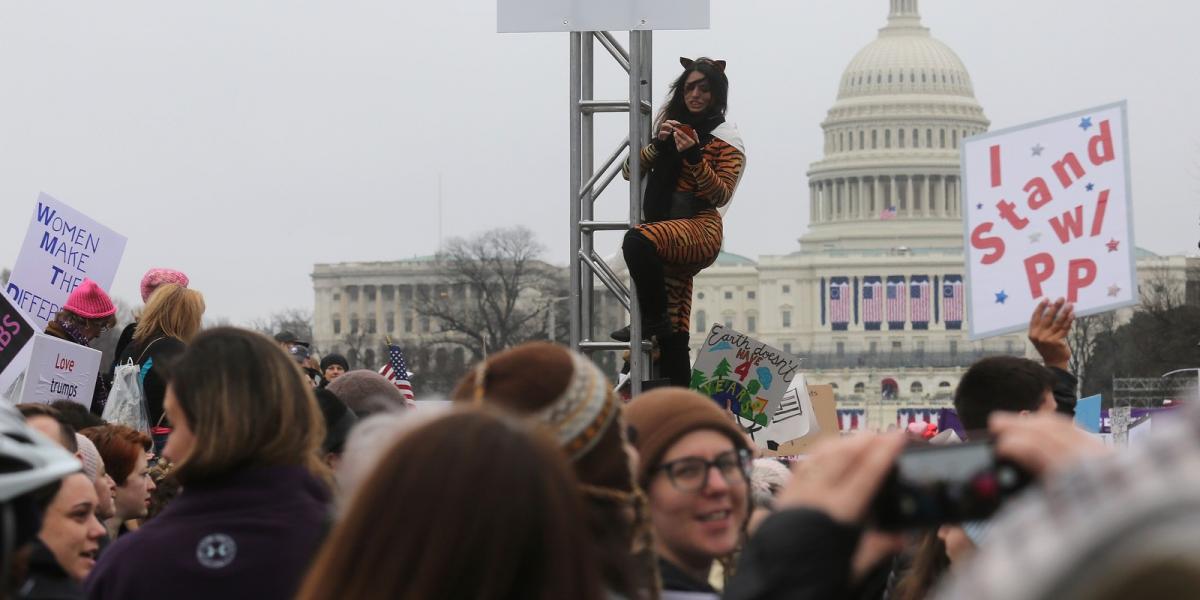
{"x": 873, "y": 299}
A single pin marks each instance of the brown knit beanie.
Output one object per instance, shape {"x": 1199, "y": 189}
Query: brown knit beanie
{"x": 661, "y": 416}
{"x": 570, "y": 396}
{"x": 366, "y": 392}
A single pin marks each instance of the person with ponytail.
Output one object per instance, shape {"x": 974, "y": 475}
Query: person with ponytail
{"x": 566, "y": 394}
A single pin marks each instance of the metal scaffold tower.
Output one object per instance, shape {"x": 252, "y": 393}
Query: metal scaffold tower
{"x": 589, "y": 24}
{"x": 588, "y": 182}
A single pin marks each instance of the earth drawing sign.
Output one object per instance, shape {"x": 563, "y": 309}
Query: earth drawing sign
{"x": 1048, "y": 214}
{"x": 743, "y": 375}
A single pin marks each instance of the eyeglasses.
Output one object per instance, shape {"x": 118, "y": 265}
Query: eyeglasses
{"x": 690, "y": 474}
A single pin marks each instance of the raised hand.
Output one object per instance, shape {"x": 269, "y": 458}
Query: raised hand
{"x": 1048, "y": 329}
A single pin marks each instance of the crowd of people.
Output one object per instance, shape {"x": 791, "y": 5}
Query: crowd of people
{"x": 222, "y": 463}
{"x": 287, "y": 477}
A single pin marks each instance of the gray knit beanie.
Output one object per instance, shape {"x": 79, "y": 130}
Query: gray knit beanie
{"x": 366, "y": 392}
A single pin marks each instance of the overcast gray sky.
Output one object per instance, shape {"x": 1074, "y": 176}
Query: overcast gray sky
{"x": 244, "y": 141}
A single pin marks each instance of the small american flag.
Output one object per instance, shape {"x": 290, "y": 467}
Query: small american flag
{"x": 952, "y": 301}
{"x": 839, "y": 302}
{"x": 872, "y": 302}
{"x": 921, "y": 304}
{"x": 888, "y": 213}
{"x": 396, "y": 371}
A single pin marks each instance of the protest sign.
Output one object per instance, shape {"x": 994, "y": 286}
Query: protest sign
{"x": 824, "y": 422}
{"x": 60, "y": 370}
{"x": 1118, "y": 422}
{"x": 1047, "y": 214}
{"x": 743, "y": 375}
{"x": 793, "y": 420}
{"x": 62, "y": 246}
{"x": 15, "y": 333}
{"x": 1087, "y": 413}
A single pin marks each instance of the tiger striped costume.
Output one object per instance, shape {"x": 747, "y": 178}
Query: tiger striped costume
{"x": 686, "y": 246}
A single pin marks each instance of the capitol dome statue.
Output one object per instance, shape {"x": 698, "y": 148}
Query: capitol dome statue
{"x": 889, "y": 177}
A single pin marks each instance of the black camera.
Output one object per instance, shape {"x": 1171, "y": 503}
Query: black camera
{"x": 932, "y": 485}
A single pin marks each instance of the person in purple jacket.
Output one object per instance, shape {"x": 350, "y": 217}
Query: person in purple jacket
{"x": 255, "y": 501}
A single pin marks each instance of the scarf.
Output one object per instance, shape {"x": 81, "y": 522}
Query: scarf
{"x": 660, "y": 185}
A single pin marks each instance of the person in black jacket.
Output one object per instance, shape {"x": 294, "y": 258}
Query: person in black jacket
{"x": 805, "y": 549}
{"x": 170, "y": 320}
{"x": 1014, "y": 384}
{"x": 694, "y": 465}
{"x": 152, "y": 280}
{"x": 88, "y": 314}
{"x": 67, "y": 544}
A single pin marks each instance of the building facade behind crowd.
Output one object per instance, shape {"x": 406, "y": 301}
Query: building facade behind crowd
{"x": 873, "y": 298}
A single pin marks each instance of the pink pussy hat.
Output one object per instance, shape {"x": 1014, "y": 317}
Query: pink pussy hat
{"x": 90, "y": 302}
{"x": 156, "y": 277}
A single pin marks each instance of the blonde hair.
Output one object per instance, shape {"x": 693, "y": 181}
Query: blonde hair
{"x": 173, "y": 311}
{"x": 248, "y": 405}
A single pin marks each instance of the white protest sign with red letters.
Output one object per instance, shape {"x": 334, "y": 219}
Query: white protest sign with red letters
{"x": 1048, "y": 214}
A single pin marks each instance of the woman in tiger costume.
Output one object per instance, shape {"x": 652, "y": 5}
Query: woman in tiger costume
{"x": 694, "y": 164}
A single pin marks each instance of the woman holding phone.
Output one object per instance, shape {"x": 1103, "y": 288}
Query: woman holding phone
{"x": 693, "y": 164}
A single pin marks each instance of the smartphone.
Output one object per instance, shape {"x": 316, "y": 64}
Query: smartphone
{"x": 932, "y": 485}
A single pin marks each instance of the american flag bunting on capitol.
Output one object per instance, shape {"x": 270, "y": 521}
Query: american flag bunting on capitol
{"x": 872, "y": 302}
{"x": 839, "y": 303}
{"x": 952, "y": 301}
{"x": 396, "y": 371}
{"x": 895, "y": 301}
{"x": 920, "y": 301}
{"x": 888, "y": 213}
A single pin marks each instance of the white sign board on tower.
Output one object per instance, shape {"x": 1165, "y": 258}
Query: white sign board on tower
{"x": 530, "y": 16}
{"x": 1048, "y": 214}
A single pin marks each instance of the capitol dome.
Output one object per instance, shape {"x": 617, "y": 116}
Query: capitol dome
{"x": 905, "y": 61}
{"x": 890, "y": 169}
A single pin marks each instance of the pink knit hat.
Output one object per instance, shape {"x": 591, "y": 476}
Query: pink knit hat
{"x": 90, "y": 302}
{"x": 156, "y": 277}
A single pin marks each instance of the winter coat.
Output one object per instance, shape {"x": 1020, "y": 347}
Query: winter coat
{"x": 250, "y": 535}
{"x": 1064, "y": 391}
{"x": 152, "y": 356}
{"x": 46, "y": 579}
{"x": 675, "y": 579}
{"x": 797, "y": 554}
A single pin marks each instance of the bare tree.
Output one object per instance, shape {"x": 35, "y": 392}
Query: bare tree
{"x": 295, "y": 320}
{"x": 494, "y": 291}
{"x": 1085, "y": 335}
{"x": 1159, "y": 292}
{"x": 356, "y": 344}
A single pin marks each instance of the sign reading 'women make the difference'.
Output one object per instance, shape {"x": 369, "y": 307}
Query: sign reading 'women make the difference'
{"x": 62, "y": 247}
{"x": 1048, "y": 214}
{"x": 743, "y": 375}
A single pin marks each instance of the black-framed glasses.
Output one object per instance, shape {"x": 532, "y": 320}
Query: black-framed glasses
{"x": 690, "y": 474}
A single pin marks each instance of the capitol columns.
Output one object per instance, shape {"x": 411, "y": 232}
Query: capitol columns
{"x": 812, "y": 202}
{"x": 926, "y": 196}
{"x": 862, "y": 197}
{"x": 910, "y": 208}
{"x": 877, "y": 196}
